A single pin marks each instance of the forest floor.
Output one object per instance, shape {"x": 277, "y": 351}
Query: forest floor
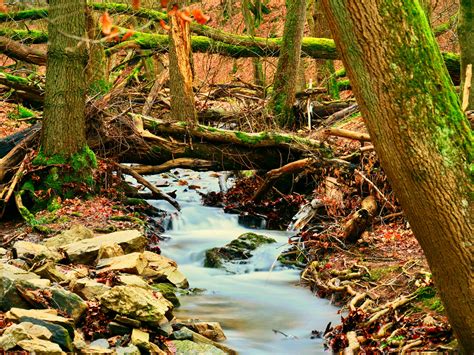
{"x": 381, "y": 281}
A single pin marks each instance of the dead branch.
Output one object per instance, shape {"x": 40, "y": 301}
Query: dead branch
{"x": 21, "y": 52}
{"x": 159, "y": 194}
{"x": 360, "y": 220}
{"x": 345, "y": 133}
{"x": 186, "y": 163}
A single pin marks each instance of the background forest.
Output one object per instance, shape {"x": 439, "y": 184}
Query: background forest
{"x": 160, "y": 157}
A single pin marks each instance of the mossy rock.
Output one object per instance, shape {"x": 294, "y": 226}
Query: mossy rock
{"x": 238, "y": 249}
{"x": 168, "y": 291}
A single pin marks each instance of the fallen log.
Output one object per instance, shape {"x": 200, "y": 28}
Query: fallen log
{"x": 360, "y": 220}
{"x": 184, "y": 163}
{"x": 21, "y": 84}
{"x": 345, "y": 133}
{"x": 317, "y": 48}
{"x": 273, "y": 175}
{"x": 16, "y": 50}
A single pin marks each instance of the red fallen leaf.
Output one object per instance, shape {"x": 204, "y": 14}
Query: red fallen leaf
{"x": 164, "y": 3}
{"x": 127, "y": 35}
{"x": 114, "y": 34}
{"x": 183, "y": 16}
{"x": 200, "y": 17}
{"x": 3, "y": 8}
{"x": 136, "y": 4}
{"x": 106, "y": 23}
{"x": 164, "y": 25}
{"x": 173, "y": 11}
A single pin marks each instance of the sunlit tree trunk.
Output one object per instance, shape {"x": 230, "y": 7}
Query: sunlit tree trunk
{"x": 421, "y": 136}
{"x": 284, "y": 84}
{"x": 181, "y": 75}
{"x": 63, "y": 130}
{"x": 466, "y": 42}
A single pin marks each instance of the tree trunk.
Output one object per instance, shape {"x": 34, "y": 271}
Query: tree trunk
{"x": 421, "y": 136}
{"x": 63, "y": 130}
{"x": 466, "y": 42}
{"x": 96, "y": 64}
{"x": 284, "y": 84}
{"x": 250, "y": 25}
{"x": 181, "y": 75}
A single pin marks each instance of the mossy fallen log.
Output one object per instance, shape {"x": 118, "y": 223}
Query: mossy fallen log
{"x": 32, "y": 92}
{"x": 30, "y": 14}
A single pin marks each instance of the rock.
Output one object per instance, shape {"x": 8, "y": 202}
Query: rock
{"x": 59, "y": 334}
{"x": 133, "y": 263}
{"x": 128, "y": 321}
{"x": 85, "y": 251}
{"x": 198, "y": 338}
{"x": 18, "y": 332}
{"x": 9, "y": 276}
{"x": 3, "y": 252}
{"x": 137, "y": 303}
{"x": 115, "y": 328}
{"x": 100, "y": 343}
{"x": 140, "y": 339}
{"x": 182, "y": 335}
{"x": 39, "y": 346}
{"x": 47, "y": 315}
{"x": 133, "y": 280}
{"x": 211, "y": 330}
{"x": 109, "y": 251}
{"x": 129, "y": 350}
{"x": 57, "y": 297}
{"x": 49, "y": 271}
{"x": 79, "y": 343}
{"x": 163, "y": 269}
{"x": 168, "y": 292}
{"x": 238, "y": 249}
{"x": 186, "y": 347}
{"x": 75, "y": 234}
{"x": 88, "y": 289}
{"x": 35, "y": 252}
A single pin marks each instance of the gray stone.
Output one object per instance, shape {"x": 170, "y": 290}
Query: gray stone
{"x": 100, "y": 343}
{"x": 198, "y": 338}
{"x": 88, "y": 289}
{"x": 133, "y": 263}
{"x": 164, "y": 269}
{"x": 187, "y": 347}
{"x": 59, "y": 334}
{"x": 39, "y": 346}
{"x": 9, "y": 276}
{"x": 211, "y": 330}
{"x": 86, "y": 250}
{"x": 18, "y": 332}
{"x": 238, "y": 249}
{"x": 48, "y": 315}
{"x": 35, "y": 252}
{"x": 137, "y": 303}
{"x": 129, "y": 350}
{"x": 75, "y": 234}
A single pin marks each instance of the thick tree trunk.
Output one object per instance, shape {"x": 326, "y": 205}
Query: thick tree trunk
{"x": 181, "y": 75}
{"x": 284, "y": 83}
{"x": 63, "y": 130}
{"x": 466, "y": 42}
{"x": 420, "y": 134}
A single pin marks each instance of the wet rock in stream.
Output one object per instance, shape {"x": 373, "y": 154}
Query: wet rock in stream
{"x": 237, "y": 250}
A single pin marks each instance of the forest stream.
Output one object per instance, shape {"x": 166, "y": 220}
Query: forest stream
{"x": 260, "y": 305}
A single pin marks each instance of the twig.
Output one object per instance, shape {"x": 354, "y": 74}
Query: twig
{"x": 375, "y": 187}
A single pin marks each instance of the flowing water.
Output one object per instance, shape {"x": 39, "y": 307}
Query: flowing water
{"x": 259, "y": 304}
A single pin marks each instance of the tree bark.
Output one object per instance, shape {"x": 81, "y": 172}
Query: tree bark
{"x": 284, "y": 83}
{"x": 421, "y": 136}
{"x": 181, "y": 75}
{"x": 63, "y": 130}
{"x": 466, "y": 43}
{"x": 250, "y": 25}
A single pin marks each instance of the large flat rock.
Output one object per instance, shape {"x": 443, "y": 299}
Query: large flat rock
{"x": 85, "y": 251}
{"x": 9, "y": 276}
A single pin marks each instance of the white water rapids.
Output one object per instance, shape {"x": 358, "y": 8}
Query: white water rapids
{"x": 259, "y": 297}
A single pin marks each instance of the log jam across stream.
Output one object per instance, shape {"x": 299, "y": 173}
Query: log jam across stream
{"x": 260, "y": 305}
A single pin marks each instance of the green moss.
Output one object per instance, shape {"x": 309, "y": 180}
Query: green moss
{"x": 26, "y": 36}
{"x": 99, "y": 87}
{"x": 21, "y": 113}
{"x": 379, "y": 273}
{"x": 30, "y": 14}
{"x": 250, "y": 139}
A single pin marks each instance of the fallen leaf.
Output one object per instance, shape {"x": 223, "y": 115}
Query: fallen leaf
{"x": 200, "y": 17}
{"x": 106, "y": 23}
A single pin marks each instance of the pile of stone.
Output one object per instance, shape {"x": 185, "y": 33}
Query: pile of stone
{"x": 46, "y": 290}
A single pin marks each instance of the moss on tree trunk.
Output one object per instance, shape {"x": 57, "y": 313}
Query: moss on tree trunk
{"x": 284, "y": 84}
{"x": 421, "y": 136}
{"x": 466, "y": 42}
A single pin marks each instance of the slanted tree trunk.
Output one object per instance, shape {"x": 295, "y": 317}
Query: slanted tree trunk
{"x": 284, "y": 84}
{"x": 421, "y": 136}
{"x": 63, "y": 131}
{"x": 181, "y": 75}
{"x": 466, "y": 42}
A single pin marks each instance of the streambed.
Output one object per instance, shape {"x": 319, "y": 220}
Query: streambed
{"x": 260, "y": 305}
